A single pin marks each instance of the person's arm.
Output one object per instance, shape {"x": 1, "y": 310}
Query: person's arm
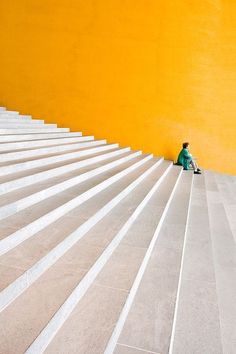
{"x": 187, "y": 156}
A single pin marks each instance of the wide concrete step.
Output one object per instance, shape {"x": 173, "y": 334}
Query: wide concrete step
{"x": 80, "y": 266}
{"x": 14, "y": 202}
{"x": 109, "y": 280}
{"x": 25, "y": 130}
{"x": 24, "y": 145}
{"x": 224, "y": 260}
{"x": 29, "y": 221}
{"x": 15, "y": 117}
{"x": 29, "y": 137}
{"x": 12, "y": 156}
{"x": 146, "y": 320}
{"x": 19, "y": 121}
{"x": 10, "y": 113}
{"x": 26, "y": 164}
{"x": 27, "y": 126}
{"x": 71, "y": 227}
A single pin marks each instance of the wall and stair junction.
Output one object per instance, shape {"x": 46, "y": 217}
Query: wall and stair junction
{"x": 104, "y": 249}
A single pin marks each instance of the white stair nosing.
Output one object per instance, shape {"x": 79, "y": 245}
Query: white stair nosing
{"x": 37, "y": 136}
{"x": 36, "y": 131}
{"x": 39, "y": 224}
{"x": 8, "y": 146}
{"x": 12, "y": 156}
{"x": 47, "y": 334}
{"x": 23, "y": 166}
{"x": 10, "y": 293}
{"x": 127, "y": 306}
{"x": 37, "y": 197}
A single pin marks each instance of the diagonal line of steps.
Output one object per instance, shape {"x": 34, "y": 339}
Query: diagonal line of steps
{"x": 132, "y": 201}
{"x": 6, "y": 131}
{"x": 29, "y": 164}
{"x": 72, "y": 227}
{"x": 146, "y": 319}
{"x": 56, "y": 185}
{"x": 41, "y": 143}
{"x": 40, "y": 136}
{"x": 25, "y": 178}
{"x": 12, "y": 156}
{"x": 11, "y": 240}
{"x": 113, "y": 271}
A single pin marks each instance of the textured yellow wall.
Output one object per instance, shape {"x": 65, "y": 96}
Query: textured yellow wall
{"x": 145, "y": 73}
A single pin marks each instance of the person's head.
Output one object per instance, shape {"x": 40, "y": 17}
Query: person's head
{"x": 185, "y": 145}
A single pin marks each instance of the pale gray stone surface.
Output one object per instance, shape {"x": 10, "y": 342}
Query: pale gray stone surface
{"x": 224, "y": 255}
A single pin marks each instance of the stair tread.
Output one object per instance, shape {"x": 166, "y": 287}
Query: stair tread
{"x": 89, "y": 249}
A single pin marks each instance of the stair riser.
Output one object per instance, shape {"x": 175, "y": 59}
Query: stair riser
{"x": 24, "y": 203}
{"x": 5, "y": 170}
{"x": 34, "y": 144}
{"x": 29, "y": 130}
{"x": 36, "y": 137}
{"x": 21, "y": 284}
{"x": 18, "y": 237}
{"x": 50, "y": 150}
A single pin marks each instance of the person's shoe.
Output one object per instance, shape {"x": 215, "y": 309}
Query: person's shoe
{"x": 185, "y": 169}
{"x": 198, "y": 169}
{"x": 197, "y": 172}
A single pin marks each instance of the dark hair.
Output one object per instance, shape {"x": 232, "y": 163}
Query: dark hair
{"x": 185, "y": 145}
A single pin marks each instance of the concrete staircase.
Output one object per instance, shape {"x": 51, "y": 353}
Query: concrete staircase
{"x": 107, "y": 250}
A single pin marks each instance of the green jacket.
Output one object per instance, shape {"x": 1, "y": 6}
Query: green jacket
{"x": 184, "y": 158}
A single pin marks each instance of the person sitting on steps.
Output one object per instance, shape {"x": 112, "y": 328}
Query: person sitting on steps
{"x": 185, "y": 159}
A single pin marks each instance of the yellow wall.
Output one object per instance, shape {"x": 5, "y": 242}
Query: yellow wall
{"x": 145, "y": 73}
